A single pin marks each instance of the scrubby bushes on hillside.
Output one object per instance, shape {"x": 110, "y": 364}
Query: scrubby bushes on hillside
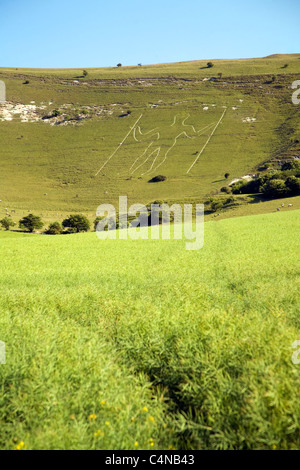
{"x": 274, "y": 184}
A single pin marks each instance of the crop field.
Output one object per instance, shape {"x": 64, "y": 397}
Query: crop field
{"x": 194, "y": 352}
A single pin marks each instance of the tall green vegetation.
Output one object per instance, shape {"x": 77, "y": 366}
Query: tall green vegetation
{"x": 143, "y": 345}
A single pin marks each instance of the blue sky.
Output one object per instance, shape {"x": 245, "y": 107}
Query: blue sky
{"x": 97, "y": 33}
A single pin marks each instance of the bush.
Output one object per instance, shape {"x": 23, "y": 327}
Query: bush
{"x": 292, "y": 165}
{"x": 31, "y": 222}
{"x": 110, "y": 225}
{"x": 84, "y": 73}
{"x": 157, "y": 179}
{"x": 119, "y": 65}
{"x": 274, "y": 188}
{"x": 54, "y": 229}
{"x": 56, "y": 113}
{"x": 227, "y": 175}
{"x": 210, "y": 65}
{"x": 293, "y": 184}
{"x": 226, "y": 189}
{"x": 77, "y": 223}
{"x": 7, "y": 223}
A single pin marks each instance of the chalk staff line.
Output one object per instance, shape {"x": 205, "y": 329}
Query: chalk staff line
{"x": 205, "y": 145}
{"x": 120, "y": 144}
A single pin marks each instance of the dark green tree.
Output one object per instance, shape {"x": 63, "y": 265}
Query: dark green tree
{"x": 31, "y": 222}
{"x": 77, "y": 222}
{"x": 7, "y": 223}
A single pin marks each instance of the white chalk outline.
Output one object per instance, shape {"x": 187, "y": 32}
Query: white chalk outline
{"x": 134, "y": 128}
{"x": 205, "y": 145}
{"x": 175, "y": 142}
{"x": 120, "y": 145}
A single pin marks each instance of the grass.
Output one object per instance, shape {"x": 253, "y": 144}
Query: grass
{"x": 193, "y": 353}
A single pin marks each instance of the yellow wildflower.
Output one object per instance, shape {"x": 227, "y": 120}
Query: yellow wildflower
{"x": 99, "y": 433}
{"x": 136, "y": 443}
{"x": 106, "y": 423}
{"x": 151, "y": 419}
{"x": 102, "y": 402}
{"x": 92, "y": 417}
{"x": 20, "y": 446}
{"x": 145, "y": 409}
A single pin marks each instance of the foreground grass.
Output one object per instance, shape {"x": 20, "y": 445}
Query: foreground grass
{"x": 128, "y": 345}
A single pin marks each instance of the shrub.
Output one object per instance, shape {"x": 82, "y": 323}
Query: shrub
{"x": 293, "y": 184}
{"x": 227, "y": 175}
{"x": 84, "y": 73}
{"x": 77, "y": 222}
{"x": 110, "y": 225}
{"x": 226, "y": 189}
{"x": 157, "y": 179}
{"x": 292, "y": 165}
{"x": 215, "y": 205}
{"x": 26, "y": 82}
{"x": 210, "y": 65}
{"x": 56, "y": 113}
{"x": 274, "y": 188}
{"x": 119, "y": 65}
{"x": 7, "y": 223}
{"x": 54, "y": 229}
{"x": 31, "y": 222}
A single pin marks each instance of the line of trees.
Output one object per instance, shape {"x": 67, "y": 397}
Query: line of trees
{"x": 75, "y": 223}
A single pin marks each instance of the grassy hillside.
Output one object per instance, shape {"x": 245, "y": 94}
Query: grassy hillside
{"x": 194, "y": 352}
{"x": 51, "y": 166}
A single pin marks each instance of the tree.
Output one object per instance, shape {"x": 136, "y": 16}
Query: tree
{"x": 54, "y": 229}
{"x": 210, "y": 65}
{"x": 119, "y": 65}
{"x": 77, "y": 222}
{"x": 31, "y": 222}
{"x": 293, "y": 184}
{"x": 274, "y": 188}
{"x": 7, "y": 223}
{"x": 84, "y": 73}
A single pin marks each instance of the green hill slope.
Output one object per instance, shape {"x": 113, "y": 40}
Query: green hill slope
{"x": 186, "y": 121}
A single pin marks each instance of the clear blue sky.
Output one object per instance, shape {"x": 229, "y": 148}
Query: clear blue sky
{"x": 100, "y": 33}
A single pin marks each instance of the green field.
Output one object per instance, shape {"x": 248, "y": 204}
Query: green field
{"x": 143, "y": 345}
